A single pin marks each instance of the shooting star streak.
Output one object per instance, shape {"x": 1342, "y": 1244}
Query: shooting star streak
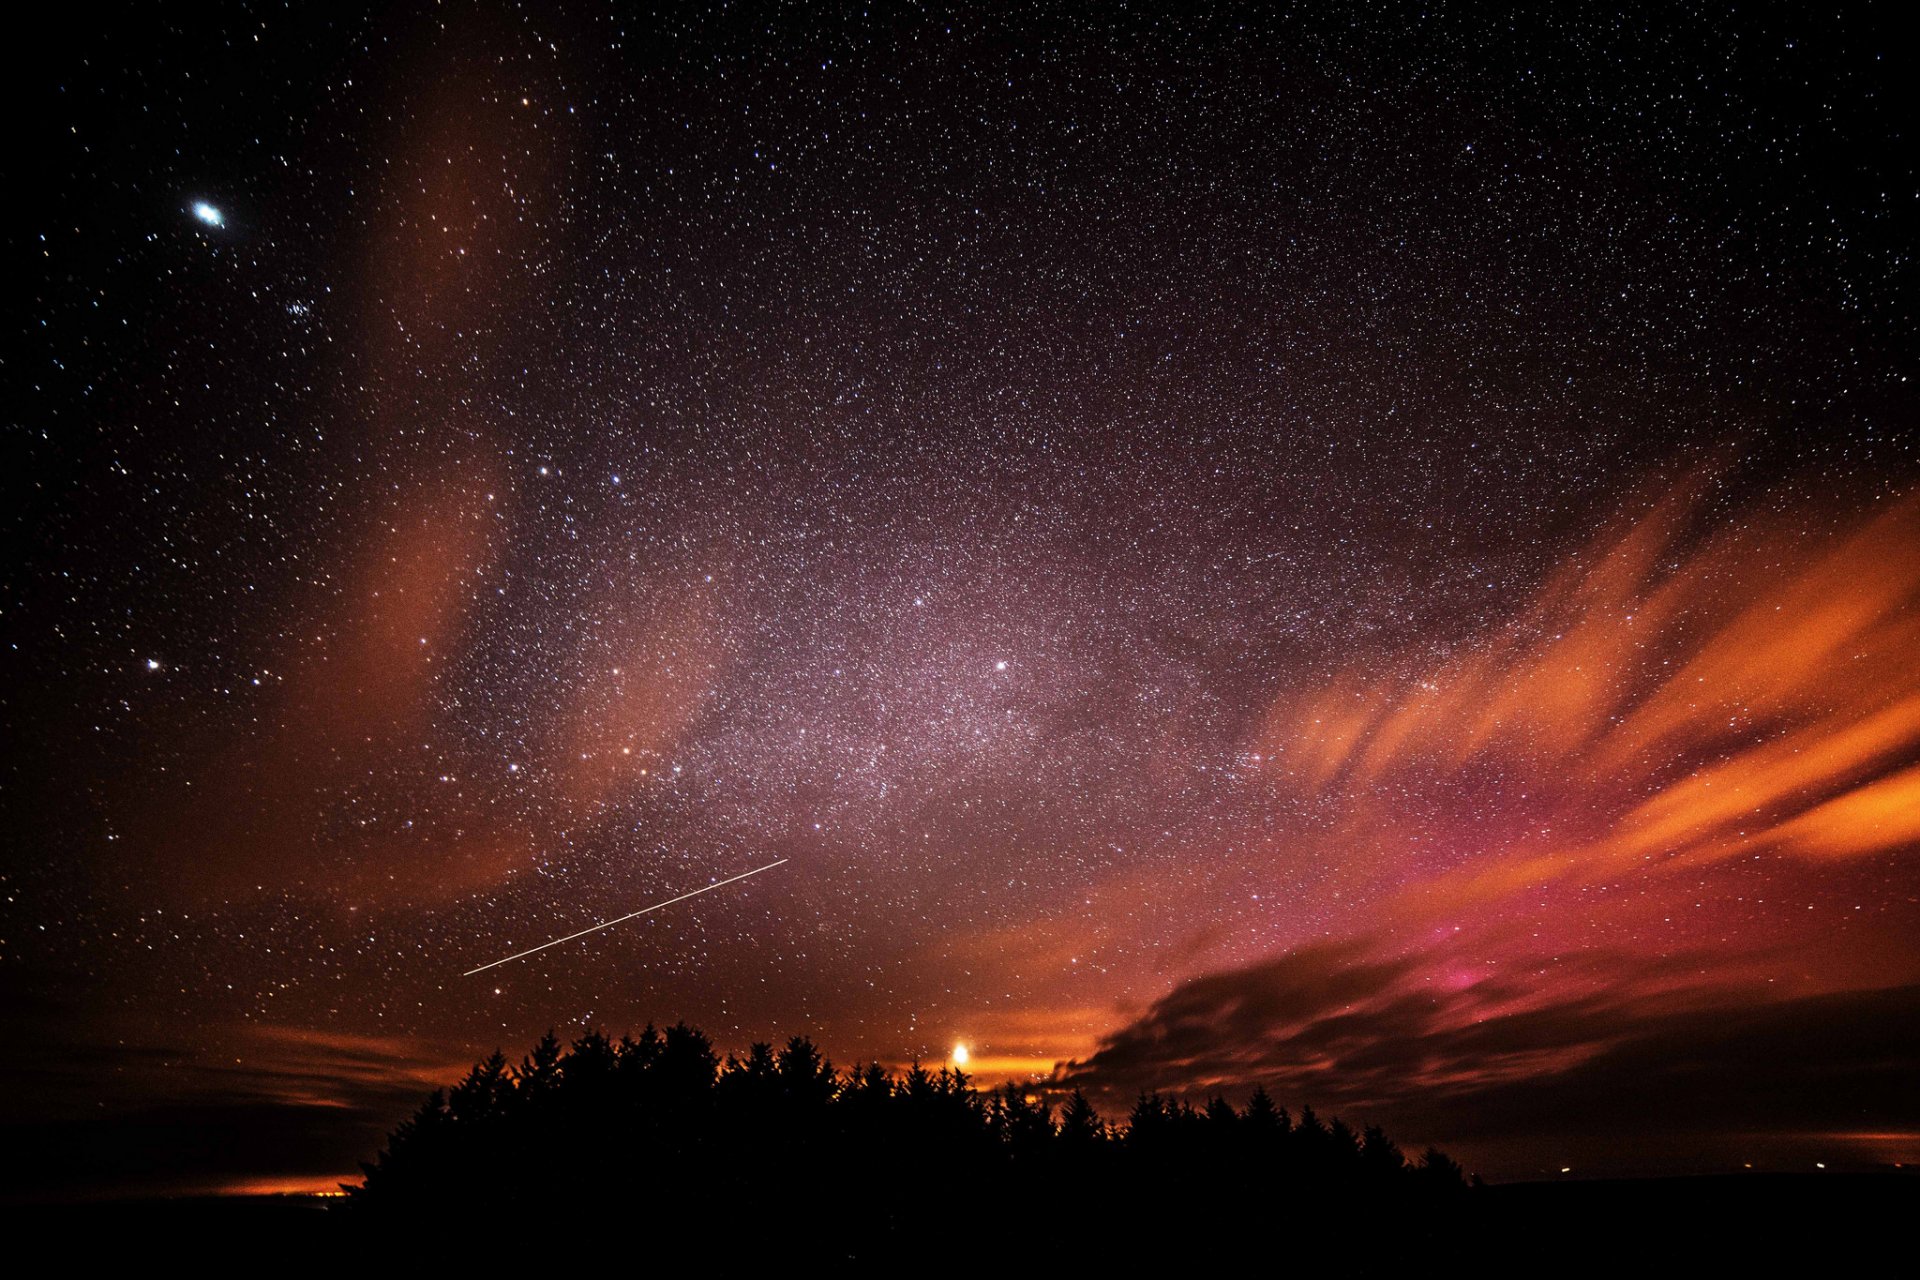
{"x": 608, "y": 924}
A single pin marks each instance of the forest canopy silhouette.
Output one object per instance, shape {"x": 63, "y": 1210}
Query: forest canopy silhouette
{"x": 661, "y": 1132}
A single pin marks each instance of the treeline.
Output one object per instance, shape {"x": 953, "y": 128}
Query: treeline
{"x": 660, "y": 1133}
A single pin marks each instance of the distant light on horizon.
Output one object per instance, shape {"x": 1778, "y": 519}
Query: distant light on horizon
{"x": 1222, "y": 585}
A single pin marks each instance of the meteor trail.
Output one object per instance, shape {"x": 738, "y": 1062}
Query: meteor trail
{"x": 608, "y": 924}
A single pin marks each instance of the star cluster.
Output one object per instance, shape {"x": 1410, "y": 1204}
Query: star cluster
{"x": 1113, "y": 498}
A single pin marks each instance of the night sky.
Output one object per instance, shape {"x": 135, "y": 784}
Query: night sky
{"x": 1371, "y": 552}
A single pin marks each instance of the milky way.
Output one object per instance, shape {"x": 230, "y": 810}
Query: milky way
{"x": 1372, "y": 554}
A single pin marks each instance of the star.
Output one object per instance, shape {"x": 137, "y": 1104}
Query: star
{"x": 1313, "y": 450}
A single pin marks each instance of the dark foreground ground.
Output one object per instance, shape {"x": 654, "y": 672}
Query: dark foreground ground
{"x": 1758, "y": 1224}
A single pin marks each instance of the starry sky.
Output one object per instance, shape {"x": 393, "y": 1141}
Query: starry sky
{"x": 1372, "y": 551}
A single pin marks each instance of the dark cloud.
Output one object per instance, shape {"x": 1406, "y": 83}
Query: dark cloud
{"x": 212, "y": 1144}
{"x": 1620, "y": 1078}
{"x": 279, "y": 1108}
{"x": 1103, "y": 497}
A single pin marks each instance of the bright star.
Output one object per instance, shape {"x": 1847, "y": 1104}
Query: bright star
{"x": 208, "y": 214}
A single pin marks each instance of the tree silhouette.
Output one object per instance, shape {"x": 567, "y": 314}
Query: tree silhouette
{"x": 657, "y": 1129}
{"x": 1080, "y": 1125}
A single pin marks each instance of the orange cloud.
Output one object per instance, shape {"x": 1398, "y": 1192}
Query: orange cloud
{"x": 312, "y": 799}
{"x": 624, "y": 722}
{"x": 1685, "y": 698}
